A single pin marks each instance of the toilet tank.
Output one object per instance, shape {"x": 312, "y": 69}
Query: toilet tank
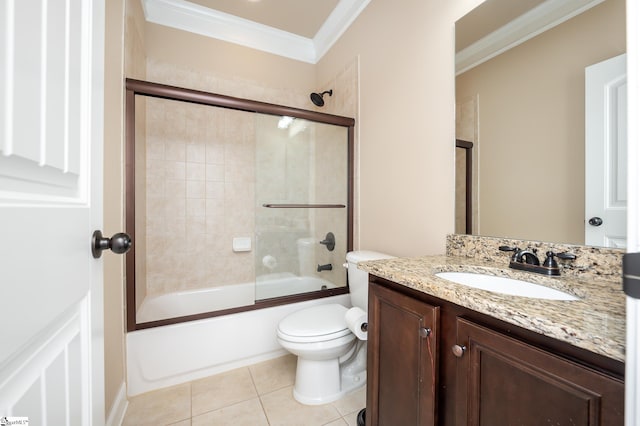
{"x": 359, "y": 279}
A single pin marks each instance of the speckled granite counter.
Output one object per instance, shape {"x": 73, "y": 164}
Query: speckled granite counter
{"x": 596, "y": 322}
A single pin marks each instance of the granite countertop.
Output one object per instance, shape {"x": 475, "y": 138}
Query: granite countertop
{"x": 596, "y": 322}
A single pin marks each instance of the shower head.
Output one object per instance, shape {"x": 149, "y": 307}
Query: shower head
{"x": 316, "y": 98}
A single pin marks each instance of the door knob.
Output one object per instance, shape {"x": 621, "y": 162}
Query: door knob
{"x": 120, "y": 243}
{"x": 458, "y": 350}
{"x": 595, "y": 221}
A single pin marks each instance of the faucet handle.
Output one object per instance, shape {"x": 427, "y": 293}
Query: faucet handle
{"x": 515, "y": 251}
{"x": 550, "y": 262}
{"x": 566, "y": 256}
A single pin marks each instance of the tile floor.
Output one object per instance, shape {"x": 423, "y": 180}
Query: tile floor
{"x": 257, "y": 395}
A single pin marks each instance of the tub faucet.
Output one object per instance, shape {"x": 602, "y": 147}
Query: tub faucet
{"x": 326, "y": 267}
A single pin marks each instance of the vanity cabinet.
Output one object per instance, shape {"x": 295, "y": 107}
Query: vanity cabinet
{"x": 481, "y": 371}
{"x": 402, "y": 359}
{"x": 503, "y": 381}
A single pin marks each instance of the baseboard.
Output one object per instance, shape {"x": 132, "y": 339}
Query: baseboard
{"x": 119, "y": 407}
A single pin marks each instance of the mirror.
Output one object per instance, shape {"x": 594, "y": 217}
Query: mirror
{"x": 522, "y": 105}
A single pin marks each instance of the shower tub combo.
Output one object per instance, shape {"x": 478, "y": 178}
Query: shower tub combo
{"x": 164, "y": 356}
{"x": 297, "y": 166}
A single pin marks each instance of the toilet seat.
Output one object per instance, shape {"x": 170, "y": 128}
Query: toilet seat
{"x": 316, "y": 324}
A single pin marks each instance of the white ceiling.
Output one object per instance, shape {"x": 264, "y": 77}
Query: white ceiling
{"x": 301, "y": 17}
{"x": 496, "y": 26}
{"x": 299, "y": 29}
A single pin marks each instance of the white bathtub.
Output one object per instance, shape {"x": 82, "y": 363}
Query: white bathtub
{"x": 190, "y": 302}
{"x": 168, "y": 355}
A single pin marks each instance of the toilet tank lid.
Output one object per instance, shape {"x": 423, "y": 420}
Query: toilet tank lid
{"x": 364, "y": 255}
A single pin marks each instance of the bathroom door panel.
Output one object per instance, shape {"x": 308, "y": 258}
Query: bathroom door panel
{"x": 51, "y": 107}
{"x": 606, "y": 152}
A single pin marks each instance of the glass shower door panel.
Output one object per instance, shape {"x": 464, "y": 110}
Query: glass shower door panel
{"x": 301, "y": 196}
{"x": 193, "y": 194}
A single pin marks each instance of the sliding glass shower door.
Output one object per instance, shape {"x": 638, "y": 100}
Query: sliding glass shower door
{"x": 302, "y": 182}
{"x": 231, "y": 202}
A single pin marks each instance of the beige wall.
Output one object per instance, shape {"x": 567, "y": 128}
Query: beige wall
{"x": 228, "y": 69}
{"x": 113, "y": 201}
{"x": 531, "y": 127}
{"x": 405, "y": 121}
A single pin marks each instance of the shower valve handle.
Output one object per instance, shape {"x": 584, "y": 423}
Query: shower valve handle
{"x": 329, "y": 241}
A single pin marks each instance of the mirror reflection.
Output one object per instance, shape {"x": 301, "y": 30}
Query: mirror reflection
{"x": 524, "y": 111}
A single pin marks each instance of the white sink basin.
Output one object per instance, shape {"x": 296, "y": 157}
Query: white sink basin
{"x": 505, "y": 285}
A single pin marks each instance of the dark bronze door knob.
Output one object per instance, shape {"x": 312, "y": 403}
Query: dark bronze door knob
{"x": 595, "y": 221}
{"x": 120, "y": 243}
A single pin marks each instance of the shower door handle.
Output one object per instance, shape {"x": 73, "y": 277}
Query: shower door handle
{"x": 120, "y": 243}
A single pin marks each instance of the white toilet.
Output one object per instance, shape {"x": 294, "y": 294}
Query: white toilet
{"x": 331, "y": 360}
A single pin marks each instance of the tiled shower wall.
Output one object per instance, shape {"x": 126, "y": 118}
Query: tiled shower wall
{"x": 200, "y": 195}
{"x": 201, "y": 181}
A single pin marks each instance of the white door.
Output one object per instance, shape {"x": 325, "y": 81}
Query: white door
{"x": 606, "y": 153}
{"x": 632, "y": 361}
{"x": 51, "y": 108}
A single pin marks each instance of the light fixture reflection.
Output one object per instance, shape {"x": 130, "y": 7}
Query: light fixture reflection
{"x": 285, "y": 122}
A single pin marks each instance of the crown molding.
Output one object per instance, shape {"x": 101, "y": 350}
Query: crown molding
{"x": 538, "y": 20}
{"x": 186, "y": 16}
{"x": 337, "y": 23}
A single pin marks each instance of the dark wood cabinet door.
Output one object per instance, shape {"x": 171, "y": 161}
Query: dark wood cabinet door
{"x": 503, "y": 381}
{"x": 402, "y": 360}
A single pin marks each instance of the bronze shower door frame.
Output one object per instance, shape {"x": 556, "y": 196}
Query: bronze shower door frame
{"x": 156, "y": 90}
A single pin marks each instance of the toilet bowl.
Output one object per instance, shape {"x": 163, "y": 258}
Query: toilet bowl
{"x": 331, "y": 360}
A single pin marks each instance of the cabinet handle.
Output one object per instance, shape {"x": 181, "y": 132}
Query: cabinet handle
{"x": 458, "y": 350}
{"x": 425, "y": 332}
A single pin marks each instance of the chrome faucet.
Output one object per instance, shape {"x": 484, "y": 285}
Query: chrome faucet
{"x": 527, "y": 260}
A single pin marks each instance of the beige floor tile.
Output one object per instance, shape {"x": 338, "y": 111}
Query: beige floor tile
{"x": 247, "y": 413}
{"x": 355, "y": 401}
{"x": 339, "y": 422}
{"x": 222, "y": 390}
{"x": 274, "y": 374}
{"x": 161, "y": 407}
{"x": 182, "y": 423}
{"x": 352, "y": 418}
{"x": 283, "y": 410}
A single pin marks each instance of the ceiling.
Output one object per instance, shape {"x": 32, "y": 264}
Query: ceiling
{"x": 299, "y": 29}
{"x": 496, "y": 26}
{"x": 301, "y": 17}
{"x": 489, "y": 17}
